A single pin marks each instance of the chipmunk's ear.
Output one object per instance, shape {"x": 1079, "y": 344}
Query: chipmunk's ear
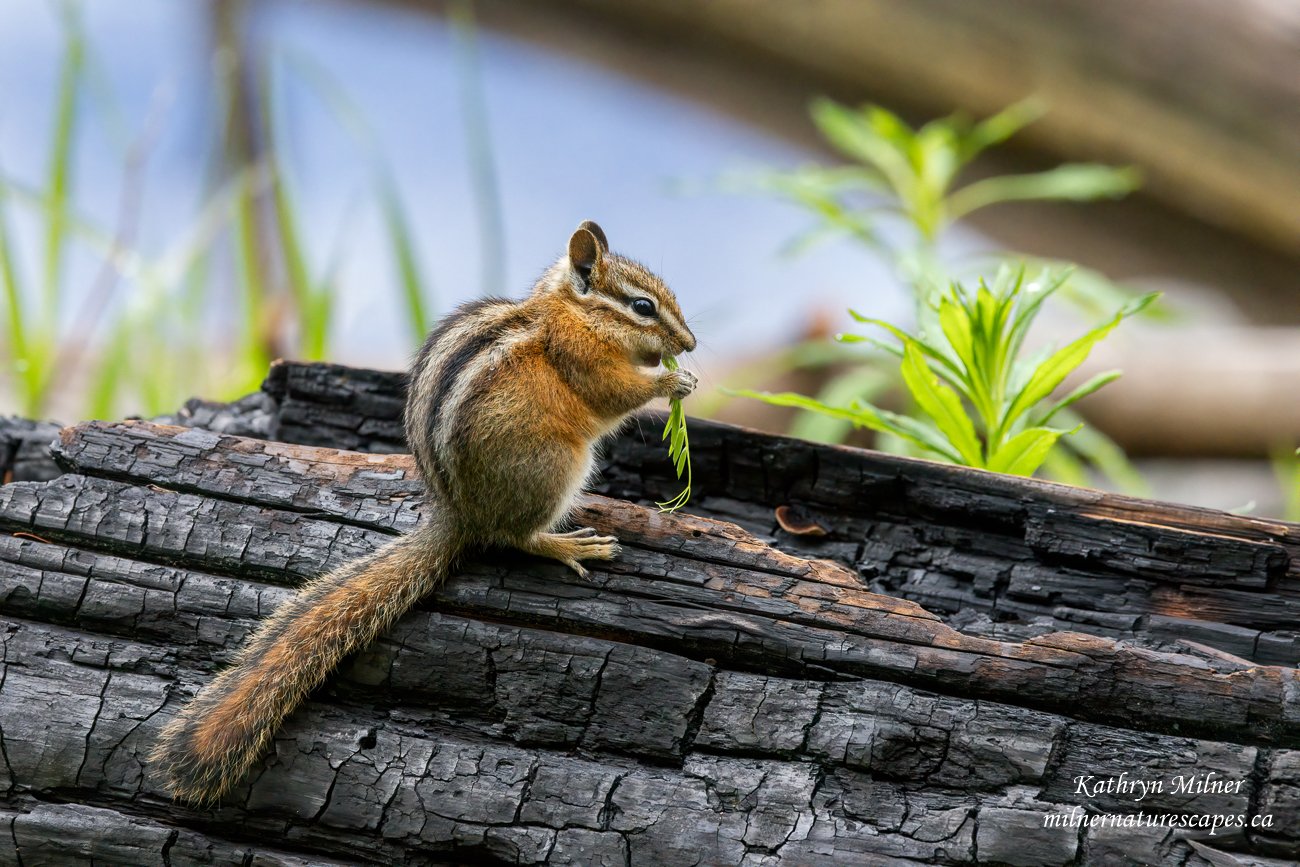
{"x": 586, "y": 248}
{"x": 596, "y": 230}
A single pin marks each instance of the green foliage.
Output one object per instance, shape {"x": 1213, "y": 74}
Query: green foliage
{"x": 974, "y": 399}
{"x": 33, "y": 331}
{"x": 912, "y": 172}
{"x": 980, "y": 400}
{"x": 414, "y": 286}
{"x": 679, "y": 448}
{"x": 1286, "y": 466}
{"x": 243, "y": 263}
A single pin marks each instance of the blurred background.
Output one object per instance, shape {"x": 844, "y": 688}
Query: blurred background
{"x": 190, "y": 190}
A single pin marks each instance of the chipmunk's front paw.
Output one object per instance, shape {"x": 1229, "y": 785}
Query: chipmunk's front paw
{"x": 678, "y": 384}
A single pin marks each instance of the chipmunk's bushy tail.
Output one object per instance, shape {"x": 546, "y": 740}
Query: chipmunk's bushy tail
{"x": 203, "y": 752}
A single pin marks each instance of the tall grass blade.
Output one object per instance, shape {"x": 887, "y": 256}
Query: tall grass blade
{"x": 313, "y": 324}
{"x": 59, "y": 171}
{"x": 405, "y": 259}
{"x": 416, "y": 289}
{"x": 487, "y": 195}
{"x": 23, "y": 371}
{"x": 253, "y": 354}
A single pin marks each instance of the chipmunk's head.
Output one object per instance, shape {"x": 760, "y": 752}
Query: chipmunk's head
{"x": 621, "y": 299}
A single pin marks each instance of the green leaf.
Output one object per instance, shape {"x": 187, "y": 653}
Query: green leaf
{"x": 405, "y": 259}
{"x": 1052, "y": 372}
{"x": 935, "y": 157}
{"x": 889, "y": 127}
{"x": 1081, "y": 392}
{"x": 956, "y": 325}
{"x": 61, "y": 162}
{"x": 940, "y": 403}
{"x": 1063, "y": 465}
{"x": 1074, "y": 182}
{"x": 914, "y": 430}
{"x": 904, "y": 337}
{"x": 863, "y": 382}
{"x": 1095, "y": 294}
{"x": 1031, "y": 296}
{"x": 863, "y": 415}
{"x": 1025, "y": 452}
{"x": 1002, "y": 126}
{"x": 1287, "y": 469}
{"x": 872, "y": 136}
{"x": 800, "y": 401}
{"x": 679, "y": 447}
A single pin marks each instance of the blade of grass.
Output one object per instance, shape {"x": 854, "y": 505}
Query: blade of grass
{"x": 405, "y": 259}
{"x": 21, "y": 366}
{"x": 415, "y": 286}
{"x": 70, "y": 354}
{"x": 313, "y": 326}
{"x": 253, "y": 355}
{"x": 59, "y": 171}
{"x": 487, "y": 195}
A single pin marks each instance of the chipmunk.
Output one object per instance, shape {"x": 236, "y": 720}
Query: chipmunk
{"x": 506, "y": 403}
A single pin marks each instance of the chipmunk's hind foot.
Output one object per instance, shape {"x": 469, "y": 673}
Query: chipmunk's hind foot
{"x": 573, "y": 547}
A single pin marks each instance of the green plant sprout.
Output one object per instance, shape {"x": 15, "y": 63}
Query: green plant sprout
{"x": 911, "y": 173}
{"x": 904, "y": 177}
{"x": 981, "y": 402}
{"x": 679, "y": 447}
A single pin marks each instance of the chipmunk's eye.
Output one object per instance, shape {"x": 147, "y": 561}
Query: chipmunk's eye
{"x": 643, "y": 307}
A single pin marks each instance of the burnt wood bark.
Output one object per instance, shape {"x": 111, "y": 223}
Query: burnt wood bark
{"x": 24, "y": 450}
{"x": 705, "y": 699}
{"x": 993, "y": 555}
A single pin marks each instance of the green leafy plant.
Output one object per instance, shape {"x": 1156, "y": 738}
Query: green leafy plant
{"x": 980, "y": 400}
{"x": 33, "y": 328}
{"x": 147, "y": 321}
{"x": 911, "y": 173}
{"x": 679, "y": 448}
{"x": 1286, "y": 467}
{"x": 898, "y": 196}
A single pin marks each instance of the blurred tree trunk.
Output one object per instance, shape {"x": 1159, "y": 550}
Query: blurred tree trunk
{"x": 1203, "y": 95}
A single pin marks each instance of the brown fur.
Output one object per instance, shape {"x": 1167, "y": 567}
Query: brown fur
{"x": 505, "y": 405}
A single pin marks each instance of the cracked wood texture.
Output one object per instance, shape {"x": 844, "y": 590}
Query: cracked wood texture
{"x": 706, "y": 698}
{"x": 992, "y": 555}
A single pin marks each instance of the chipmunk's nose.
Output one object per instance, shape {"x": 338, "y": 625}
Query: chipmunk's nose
{"x": 688, "y": 345}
